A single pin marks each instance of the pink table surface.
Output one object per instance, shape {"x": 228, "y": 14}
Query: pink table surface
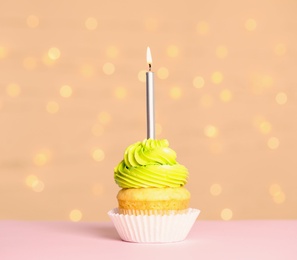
{"x": 207, "y": 240}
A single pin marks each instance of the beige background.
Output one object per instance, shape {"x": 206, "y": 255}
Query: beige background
{"x": 72, "y": 98}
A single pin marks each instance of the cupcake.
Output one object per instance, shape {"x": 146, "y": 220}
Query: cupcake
{"x": 153, "y": 203}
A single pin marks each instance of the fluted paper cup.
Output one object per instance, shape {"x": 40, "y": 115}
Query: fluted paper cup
{"x": 154, "y": 228}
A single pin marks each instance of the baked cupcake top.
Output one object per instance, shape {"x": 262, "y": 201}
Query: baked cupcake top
{"x": 150, "y": 163}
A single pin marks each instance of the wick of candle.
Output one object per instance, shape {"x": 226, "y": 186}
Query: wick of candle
{"x": 150, "y": 67}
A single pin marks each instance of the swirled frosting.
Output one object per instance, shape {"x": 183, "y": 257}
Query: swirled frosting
{"x": 150, "y": 163}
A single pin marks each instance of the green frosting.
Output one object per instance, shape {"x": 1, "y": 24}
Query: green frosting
{"x": 150, "y": 163}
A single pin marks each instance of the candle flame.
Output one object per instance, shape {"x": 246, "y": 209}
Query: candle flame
{"x": 149, "y": 56}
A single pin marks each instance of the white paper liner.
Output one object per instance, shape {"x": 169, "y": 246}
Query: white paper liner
{"x": 153, "y": 228}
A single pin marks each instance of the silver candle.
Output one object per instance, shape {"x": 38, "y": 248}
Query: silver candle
{"x": 150, "y": 103}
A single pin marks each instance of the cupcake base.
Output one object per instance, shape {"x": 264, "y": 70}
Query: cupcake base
{"x": 154, "y": 228}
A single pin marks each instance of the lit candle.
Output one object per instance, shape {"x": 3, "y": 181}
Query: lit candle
{"x": 150, "y": 106}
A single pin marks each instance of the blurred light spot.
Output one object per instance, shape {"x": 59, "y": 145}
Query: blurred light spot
{"x": 151, "y": 24}
{"x": 206, "y": 101}
{"x": 273, "y": 143}
{"x": 280, "y": 49}
{"x": 91, "y": 23}
{"x": 159, "y": 129}
{"x": 75, "y": 215}
{"x": 29, "y": 63}
{"x": 30, "y": 180}
{"x": 279, "y": 197}
{"x": 66, "y": 91}
{"x": 250, "y": 24}
{"x": 42, "y": 157}
{"x": 120, "y": 93}
{"x": 54, "y": 53}
{"x": 281, "y": 98}
{"x": 198, "y": 82}
{"x": 104, "y": 118}
{"x": 202, "y": 27}
{"x": 52, "y": 107}
{"x": 112, "y": 51}
{"x": 97, "y": 130}
{"x": 221, "y": 52}
{"x": 163, "y": 73}
{"x": 142, "y": 76}
{"x": 98, "y": 155}
{"x": 3, "y": 52}
{"x": 217, "y": 77}
{"x": 216, "y": 147}
{"x": 274, "y": 189}
{"x": 97, "y": 189}
{"x": 215, "y": 189}
{"x": 172, "y": 51}
{"x": 261, "y": 83}
{"x": 265, "y": 127}
{"x": 226, "y": 95}
{"x": 87, "y": 70}
{"x": 175, "y": 92}
{"x": 38, "y": 186}
{"x": 108, "y": 68}
{"x": 32, "y": 21}
{"x": 13, "y": 90}
{"x": 226, "y": 214}
{"x": 211, "y": 131}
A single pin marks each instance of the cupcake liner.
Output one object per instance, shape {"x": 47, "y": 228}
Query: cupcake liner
{"x": 153, "y": 228}
{"x": 151, "y": 212}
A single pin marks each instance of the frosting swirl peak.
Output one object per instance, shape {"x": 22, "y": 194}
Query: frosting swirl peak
{"x": 150, "y": 163}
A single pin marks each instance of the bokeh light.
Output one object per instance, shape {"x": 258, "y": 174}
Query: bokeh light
{"x": 280, "y": 49}
{"x": 13, "y": 90}
{"x": 87, "y": 70}
{"x": 202, "y": 27}
{"x": 75, "y": 215}
{"x": 172, "y": 51}
{"x": 250, "y": 24}
{"x": 215, "y": 189}
{"x": 66, "y": 91}
{"x": 54, "y": 53}
{"x": 142, "y": 76}
{"x": 221, "y": 52}
{"x": 120, "y": 92}
{"x": 226, "y": 214}
{"x": 175, "y": 92}
{"x": 265, "y": 127}
{"x": 226, "y": 95}
{"x": 163, "y": 73}
{"x": 32, "y": 21}
{"x": 281, "y": 98}
{"x": 211, "y": 131}
{"x": 108, "y": 68}
{"x": 198, "y": 82}
{"x": 41, "y": 158}
{"x": 52, "y": 107}
{"x": 104, "y": 118}
{"x": 98, "y": 155}
{"x": 217, "y": 77}
{"x": 91, "y": 23}
{"x": 112, "y": 52}
{"x": 273, "y": 143}
{"x": 29, "y": 63}
{"x": 3, "y": 52}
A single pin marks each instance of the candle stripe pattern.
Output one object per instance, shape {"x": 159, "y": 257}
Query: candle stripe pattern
{"x": 150, "y": 163}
